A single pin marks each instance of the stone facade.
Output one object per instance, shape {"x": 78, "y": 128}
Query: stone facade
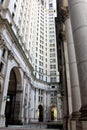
{"x": 21, "y": 94}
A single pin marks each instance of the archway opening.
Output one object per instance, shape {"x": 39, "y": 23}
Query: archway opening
{"x": 54, "y": 113}
{"x": 40, "y": 107}
{"x": 12, "y": 109}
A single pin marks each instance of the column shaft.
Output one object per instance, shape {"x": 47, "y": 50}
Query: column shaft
{"x": 76, "y": 100}
{"x": 78, "y": 13}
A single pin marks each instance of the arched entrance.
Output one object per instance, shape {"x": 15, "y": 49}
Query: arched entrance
{"x": 40, "y": 107}
{"x": 53, "y": 113}
{"x": 12, "y": 104}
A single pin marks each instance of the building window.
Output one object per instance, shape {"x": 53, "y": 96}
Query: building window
{"x": 52, "y": 50}
{"x": 35, "y": 74}
{"x": 53, "y": 79}
{"x": 1, "y": 1}
{"x": 40, "y": 70}
{"x": 36, "y": 49}
{"x": 1, "y": 66}
{"x": 36, "y": 68}
{"x": 3, "y": 53}
{"x": 40, "y": 77}
{"x": 52, "y": 66}
{"x": 52, "y": 60}
{"x": 52, "y": 55}
{"x": 36, "y": 54}
{"x": 35, "y": 60}
{"x": 53, "y": 86}
{"x": 14, "y": 6}
{"x": 46, "y": 79}
{"x": 40, "y": 95}
{"x": 52, "y": 73}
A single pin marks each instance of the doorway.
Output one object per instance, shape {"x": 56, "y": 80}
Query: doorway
{"x": 53, "y": 113}
{"x": 40, "y": 107}
{"x": 12, "y": 105}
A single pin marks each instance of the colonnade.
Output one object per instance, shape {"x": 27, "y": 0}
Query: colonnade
{"x": 75, "y": 22}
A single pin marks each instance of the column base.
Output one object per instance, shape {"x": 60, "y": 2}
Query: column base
{"x": 83, "y": 111}
{"x": 2, "y": 121}
{"x": 75, "y": 124}
{"x": 84, "y": 125}
{"x": 75, "y": 115}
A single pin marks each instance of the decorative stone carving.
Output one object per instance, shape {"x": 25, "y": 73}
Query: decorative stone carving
{"x": 10, "y": 55}
{"x": 2, "y": 43}
{"x": 63, "y": 14}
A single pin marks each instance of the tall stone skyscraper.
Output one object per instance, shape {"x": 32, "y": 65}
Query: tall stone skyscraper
{"x": 35, "y": 21}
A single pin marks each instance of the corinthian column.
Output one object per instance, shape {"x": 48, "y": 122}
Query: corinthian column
{"x": 78, "y": 13}
{"x": 76, "y": 99}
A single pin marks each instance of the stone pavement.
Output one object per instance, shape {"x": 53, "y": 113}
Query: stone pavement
{"x": 26, "y": 127}
{"x": 33, "y": 126}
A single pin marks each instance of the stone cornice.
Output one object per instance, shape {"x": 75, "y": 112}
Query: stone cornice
{"x": 5, "y": 23}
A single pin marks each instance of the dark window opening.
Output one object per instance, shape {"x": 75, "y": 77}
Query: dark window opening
{"x": 53, "y": 86}
{"x": 1, "y": 66}
{"x": 12, "y": 15}
{"x": 3, "y": 53}
{"x": 14, "y": 6}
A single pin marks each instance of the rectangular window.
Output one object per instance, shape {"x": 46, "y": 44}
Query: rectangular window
{"x": 52, "y": 73}
{"x": 52, "y": 66}
{"x": 52, "y": 50}
{"x": 53, "y": 79}
{"x": 1, "y": 66}
{"x": 36, "y": 68}
{"x": 52, "y": 55}
{"x": 52, "y": 60}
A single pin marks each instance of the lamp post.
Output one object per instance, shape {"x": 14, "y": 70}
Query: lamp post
{"x": 7, "y": 98}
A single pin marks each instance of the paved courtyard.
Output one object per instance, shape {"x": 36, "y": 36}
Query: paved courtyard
{"x": 24, "y": 128}
{"x": 27, "y": 127}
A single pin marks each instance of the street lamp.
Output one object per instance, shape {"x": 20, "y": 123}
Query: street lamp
{"x": 7, "y": 98}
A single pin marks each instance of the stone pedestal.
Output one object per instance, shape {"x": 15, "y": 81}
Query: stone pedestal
{"x": 2, "y": 121}
{"x": 75, "y": 125}
{"x": 84, "y": 125}
{"x": 83, "y": 113}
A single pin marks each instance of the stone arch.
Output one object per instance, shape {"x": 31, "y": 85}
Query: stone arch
{"x": 12, "y": 111}
{"x": 53, "y": 113}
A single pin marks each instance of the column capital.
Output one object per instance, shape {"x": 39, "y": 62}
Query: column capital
{"x": 65, "y": 13}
